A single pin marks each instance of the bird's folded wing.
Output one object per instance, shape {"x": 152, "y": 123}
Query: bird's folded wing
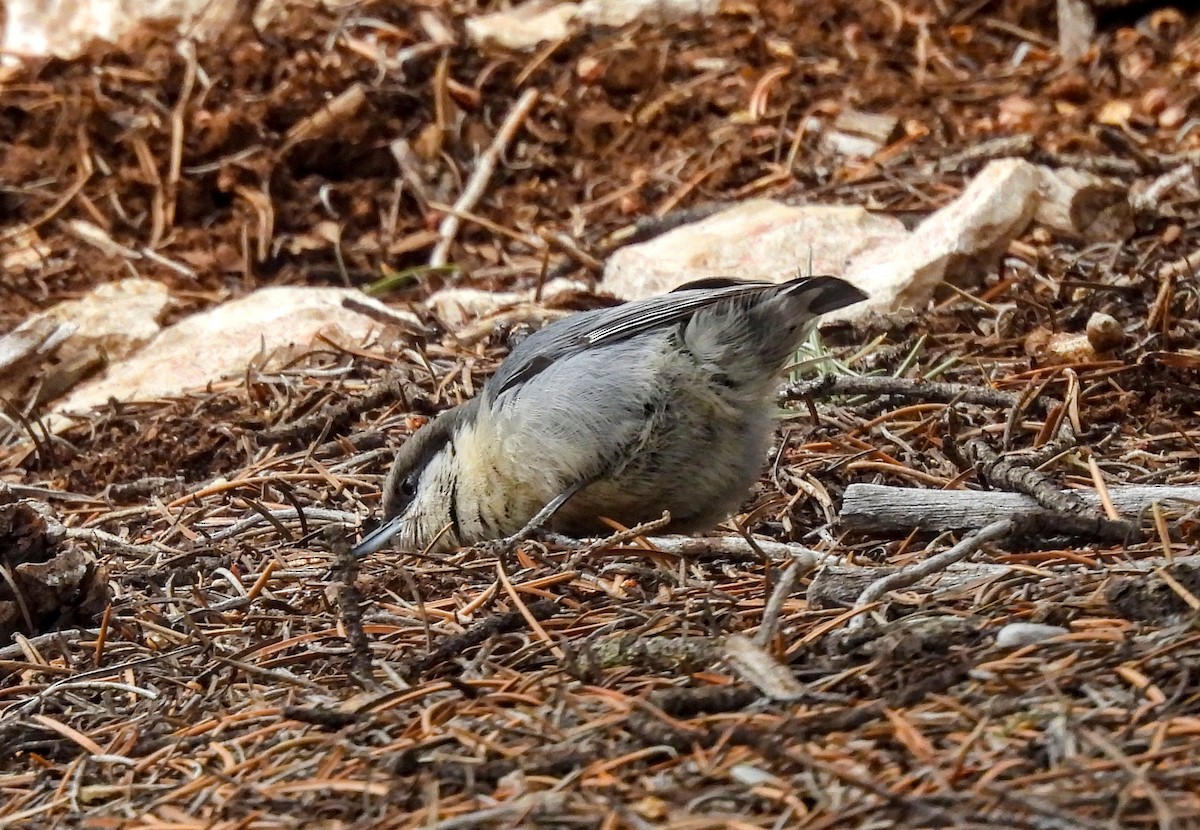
{"x": 596, "y": 328}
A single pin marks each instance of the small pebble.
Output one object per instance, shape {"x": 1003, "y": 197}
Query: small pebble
{"x": 1104, "y": 332}
{"x": 1015, "y": 635}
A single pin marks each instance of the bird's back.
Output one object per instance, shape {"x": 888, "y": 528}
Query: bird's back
{"x": 675, "y": 415}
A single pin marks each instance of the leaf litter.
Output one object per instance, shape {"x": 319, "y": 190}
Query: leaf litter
{"x": 227, "y": 684}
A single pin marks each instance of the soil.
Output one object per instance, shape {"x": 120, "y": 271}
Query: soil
{"x": 229, "y": 682}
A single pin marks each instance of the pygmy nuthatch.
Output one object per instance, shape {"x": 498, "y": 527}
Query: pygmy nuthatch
{"x": 659, "y": 404}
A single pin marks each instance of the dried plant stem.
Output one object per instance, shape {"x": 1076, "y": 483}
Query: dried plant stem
{"x": 485, "y": 166}
{"x": 934, "y": 564}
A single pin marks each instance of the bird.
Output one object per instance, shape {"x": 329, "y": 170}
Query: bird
{"x": 659, "y": 404}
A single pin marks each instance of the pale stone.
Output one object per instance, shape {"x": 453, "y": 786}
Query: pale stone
{"x": 63, "y": 27}
{"x": 1016, "y": 635}
{"x": 523, "y": 26}
{"x": 763, "y": 239}
{"x": 266, "y": 328}
{"x": 117, "y": 318}
{"x": 56, "y": 347}
{"x": 970, "y": 233}
{"x": 526, "y": 25}
{"x": 759, "y": 239}
{"x": 457, "y": 307}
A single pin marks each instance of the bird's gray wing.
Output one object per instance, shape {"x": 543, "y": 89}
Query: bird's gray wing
{"x": 608, "y": 325}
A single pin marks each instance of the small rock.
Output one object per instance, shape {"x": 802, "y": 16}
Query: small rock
{"x": 1016, "y": 635}
{"x": 850, "y": 145}
{"x": 1066, "y": 348}
{"x": 74, "y": 338}
{"x": 859, "y": 134}
{"x": 523, "y": 26}
{"x": 271, "y": 323}
{"x": 117, "y": 318}
{"x": 1104, "y": 332}
{"x": 456, "y": 307}
{"x": 526, "y": 25}
{"x": 760, "y": 239}
{"x": 1076, "y": 29}
{"x": 1060, "y": 349}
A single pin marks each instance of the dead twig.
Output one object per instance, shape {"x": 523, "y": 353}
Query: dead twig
{"x": 350, "y": 602}
{"x": 926, "y": 390}
{"x": 620, "y": 538}
{"x": 783, "y": 590}
{"x": 934, "y": 564}
{"x": 881, "y": 509}
{"x": 485, "y": 166}
{"x": 1016, "y": 472}
{"x": 483, "y": 630}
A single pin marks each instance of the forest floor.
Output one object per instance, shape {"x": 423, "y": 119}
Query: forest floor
{"x": 231, "y": 683}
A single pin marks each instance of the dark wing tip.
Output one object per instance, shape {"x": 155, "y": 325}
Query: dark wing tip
{"x": 709, "y": 283}
{"x": 828, "y": 293}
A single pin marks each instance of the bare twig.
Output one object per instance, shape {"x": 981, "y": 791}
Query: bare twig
{"x": 485, "y": 165}
{"x": 350, "y": 601}
{"x": 1150, "y": 199}
{"x": 925, "y": 390}
{"x": 783, "y": 590}
{"x": 934, "y": 564}
{"x": 623, "y": 536}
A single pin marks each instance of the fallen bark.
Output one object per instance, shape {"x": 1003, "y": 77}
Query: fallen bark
{"x": 839, "y": 586}
{"x": 875, "y": 508}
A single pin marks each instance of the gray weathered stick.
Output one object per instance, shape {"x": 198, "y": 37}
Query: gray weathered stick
{"x": 881, "y": 509}
{"x": 838, "y": 586}
{"x": 912, "y": 574}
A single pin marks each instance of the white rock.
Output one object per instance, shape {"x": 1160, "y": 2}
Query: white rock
{"x": 31, "y": 342}
{"x": 25, "y": 252}
{"x": 849, "y": 145}
{"x": 1016, "y": 635}
{"x": 269, "y": 326}
{"x": 56, "y": 347}
{"x": 523, "y": 26}
{"x": 760, "y": 238}
{"x": 117, "y": 317}
{"x": 858, "y": 134}
{"x": 456, "y": 307}
{"x": 975, "y": 228}
{"x": 898, "y": 270}
{"x": 537, "y": 21}
{"x": 622, "y": 12}
{"x": 64, "y": 27}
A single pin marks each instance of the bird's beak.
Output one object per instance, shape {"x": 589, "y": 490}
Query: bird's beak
{"x": 378, "y": 537}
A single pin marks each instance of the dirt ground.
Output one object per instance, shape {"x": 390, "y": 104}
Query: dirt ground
{"x": 228, "y": 683}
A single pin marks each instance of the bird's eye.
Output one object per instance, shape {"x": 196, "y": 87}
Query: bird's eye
{"x": 408, "y": 487}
